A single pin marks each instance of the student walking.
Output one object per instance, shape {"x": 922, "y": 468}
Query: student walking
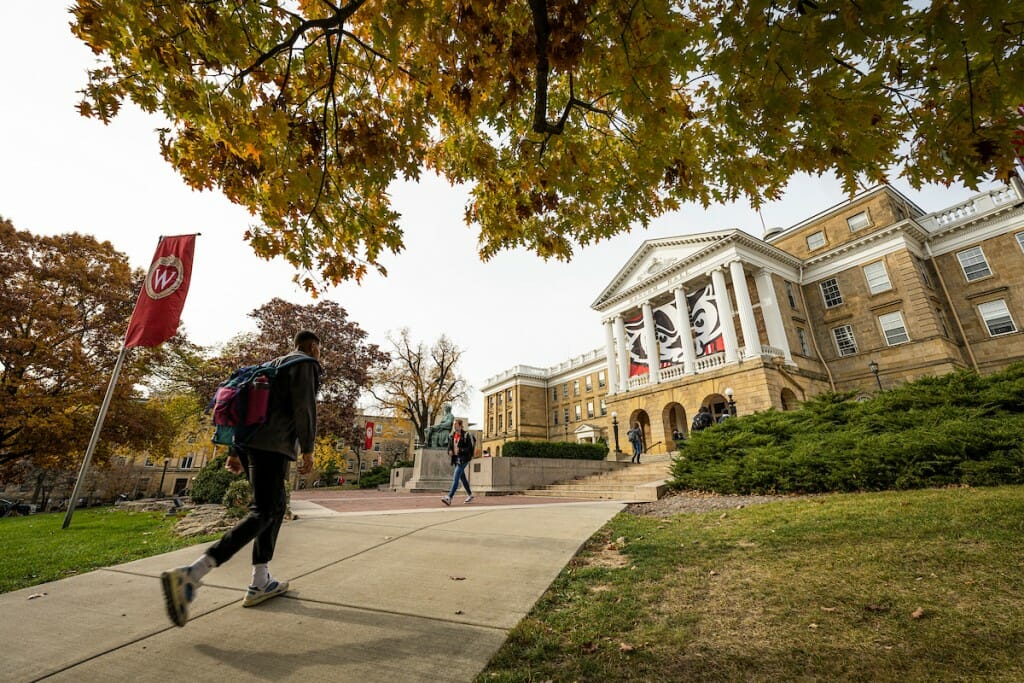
{"x": 461, "y": 447}
{"x": 265, "y": 456}
{"x": 636, "y": 439}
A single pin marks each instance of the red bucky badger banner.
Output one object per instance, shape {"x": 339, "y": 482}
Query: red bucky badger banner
{"x": 158, "y": 309}
{"x": 706, "y": 328}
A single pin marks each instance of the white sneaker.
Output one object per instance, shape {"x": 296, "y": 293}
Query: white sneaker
{"x": 446, "y": 500}
{"x": 179, "y": 592}
{"x": 255, "y": 596}
{"x": 469, "y": 498}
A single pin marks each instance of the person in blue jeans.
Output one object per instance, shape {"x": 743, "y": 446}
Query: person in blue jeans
{"x": 461, "y": 447}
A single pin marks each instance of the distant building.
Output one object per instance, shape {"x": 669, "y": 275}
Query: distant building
{"x": 870, "y": 292}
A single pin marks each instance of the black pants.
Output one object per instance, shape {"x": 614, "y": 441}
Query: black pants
{"x": 267, "y": 474}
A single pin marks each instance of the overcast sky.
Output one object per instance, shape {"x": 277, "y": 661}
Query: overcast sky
{"x": 61, "y": 173}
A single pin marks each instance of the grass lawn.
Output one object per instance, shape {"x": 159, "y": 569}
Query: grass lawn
{"x": 34, "y": 549}
{"x": 909, "y": 586}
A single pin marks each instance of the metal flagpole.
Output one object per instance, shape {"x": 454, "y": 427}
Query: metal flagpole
{"x": 95, "y": 435}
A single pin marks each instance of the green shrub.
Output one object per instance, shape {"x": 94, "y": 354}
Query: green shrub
{"x": 329, "y": 474}
{"x": 374, "y": 477}
{"x": 237, "y": 497}
{"x": 212, "y": 482}
{"x": 937, "y": 431}
{"x": 555, "y": 449}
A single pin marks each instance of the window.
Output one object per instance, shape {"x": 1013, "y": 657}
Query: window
{"x": 588, "y": 383}
{"x": 816, "y": 240}
{"x": 490, "y": 401}
{"x": 351, "y": 465}
{"x": 925, "y": 275}
{"x": 601, "y": 380}
{"x": 790, "y": 295}
{"x": 501, "y": 422}
{"x": 845, "y": 343}
{"x": 491, "y": 430}
{"x": 579, "y": 412}
{"x": 893, "y": 328}
{"x": 801, "y": 336}
{"x": 858, "y": 221}
{"x": 997, "y": 317}
{"x": 878, "y": 279}
{"x": 942, "y": 321}
{"x": 554, "y": 416}
{"x": 604, "y": 407}
{"x": 974, "y": 264}
{"x": 376, "y": 447}
{"x": 508, "y": 395}
{"x": 148, "y": 463}
{"x": 590, "y": 409}
{"x": 186, "y": 463}
{"x": 1020, "y": 240}
{"x": 830, "y": 293}
{"x": 554, "y": 393}
{"x": 575, "y": 387}
{"x": 510, "y": 422}
{"x": 565, "y": 415}
{"x": 378, "y": 428}
{"x": 499, "y": 398}
{"x": 565, "y": 390}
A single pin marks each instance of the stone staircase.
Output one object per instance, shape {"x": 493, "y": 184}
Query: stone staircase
{"x": 634, "y": 483}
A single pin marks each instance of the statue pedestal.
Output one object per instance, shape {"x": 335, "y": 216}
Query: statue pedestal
{"x": 431, "y": 471}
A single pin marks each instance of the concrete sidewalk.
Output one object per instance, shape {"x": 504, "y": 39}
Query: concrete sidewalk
{"x": 416, "y": 596}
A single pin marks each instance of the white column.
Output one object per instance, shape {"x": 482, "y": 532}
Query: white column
{"x": 685, "y": 333}
{"x": 725, "y": 316}
{"x": 747, "y": 322}
{"x": 609, "y": 355}
{"x": 651, "y": 337}
{"x": 620, "y": 340}
{"x": 771, "y": 313}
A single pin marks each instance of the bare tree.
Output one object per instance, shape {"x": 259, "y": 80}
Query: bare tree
{"x": 420, "y": 381}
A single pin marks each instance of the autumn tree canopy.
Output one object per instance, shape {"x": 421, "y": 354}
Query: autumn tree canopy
{"x": 65, "y": 302}
{"x": 569, "y": 120}
{"x": 420, "y": 381}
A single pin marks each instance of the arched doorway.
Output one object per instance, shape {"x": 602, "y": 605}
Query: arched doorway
{"x": 717, "y": 404}
{"x": 789, "y": 400}
{"x": 676, "y": 426}
{"x": 641, "y": 417}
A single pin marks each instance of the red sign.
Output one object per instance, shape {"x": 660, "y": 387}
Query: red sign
{"x": 158, "y": 309}
{"x": 368, "y": 444}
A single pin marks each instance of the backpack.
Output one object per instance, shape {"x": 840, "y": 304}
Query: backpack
{"x": 702, "y": 421}
{"x": 242, "y": 401}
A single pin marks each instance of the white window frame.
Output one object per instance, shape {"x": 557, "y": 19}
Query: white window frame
{"x": 824, "y": 294}
{"x": 996, "y": 316}
{"x": 578, "y": 410}
{"x": 791, "y": 295}
{"x": 814, "y": 237}
{"x": 847, "y": 332}
{"x": 859, "y": 221}
{"x": 601, "y": 380}
{"x": 1020, "y": 240}
{"x": 604, "y": 407}
{"x": 971, "y": 259}
{"x": 877, "y": 282}
{"x": 894, "y": 328}
{"x": 590, "y": 410}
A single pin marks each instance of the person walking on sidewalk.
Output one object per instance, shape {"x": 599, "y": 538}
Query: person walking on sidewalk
{"x": 461, "y": 447}
{"x": 636, "y": 439}
{"x": 265, "y": 456}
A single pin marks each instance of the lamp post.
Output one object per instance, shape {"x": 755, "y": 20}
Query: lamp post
{"x": 732, "y": 403}
{"x": 615, "y": 431}
{"x": 873, "y": 367}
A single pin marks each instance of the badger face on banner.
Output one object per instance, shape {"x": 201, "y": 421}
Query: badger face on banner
{"x": 707, "y": 327}
{"x": 670, "y": 346}
{"x": 635, "y": 342}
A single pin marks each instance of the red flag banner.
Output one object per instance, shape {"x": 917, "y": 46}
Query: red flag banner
{"x": 368, "y": 444}
{"x": 158, "y": 310}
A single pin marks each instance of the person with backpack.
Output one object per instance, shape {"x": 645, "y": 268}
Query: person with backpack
{"x": 636, "y": 439}
{"x": 702, "y": 420}
{"x": 461, "y": 447}
{"x": 265, "y": 454}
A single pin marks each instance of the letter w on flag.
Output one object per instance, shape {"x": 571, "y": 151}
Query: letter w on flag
{"x": 158, "y": 310}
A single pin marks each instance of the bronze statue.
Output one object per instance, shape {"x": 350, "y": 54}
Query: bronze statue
{"x": 437, "y": 435}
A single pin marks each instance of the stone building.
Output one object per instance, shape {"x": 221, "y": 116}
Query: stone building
{"x": 866, "y": 294}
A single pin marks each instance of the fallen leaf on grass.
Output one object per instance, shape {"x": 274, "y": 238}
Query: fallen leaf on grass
{"x": 918, "y": 613}
{"x": 626, "y": 647}
{"x": 589, "y": 648}
{"x": 828, "y": 609}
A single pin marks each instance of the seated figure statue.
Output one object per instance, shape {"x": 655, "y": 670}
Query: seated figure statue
{"x": 437, "y": 435}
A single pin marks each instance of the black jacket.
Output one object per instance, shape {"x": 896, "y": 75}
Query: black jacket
{"x": 291, "y": 421}
{"x": 467, "y": 446}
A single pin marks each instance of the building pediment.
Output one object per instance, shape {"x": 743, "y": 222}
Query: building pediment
{"x": 654, "y": 257}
